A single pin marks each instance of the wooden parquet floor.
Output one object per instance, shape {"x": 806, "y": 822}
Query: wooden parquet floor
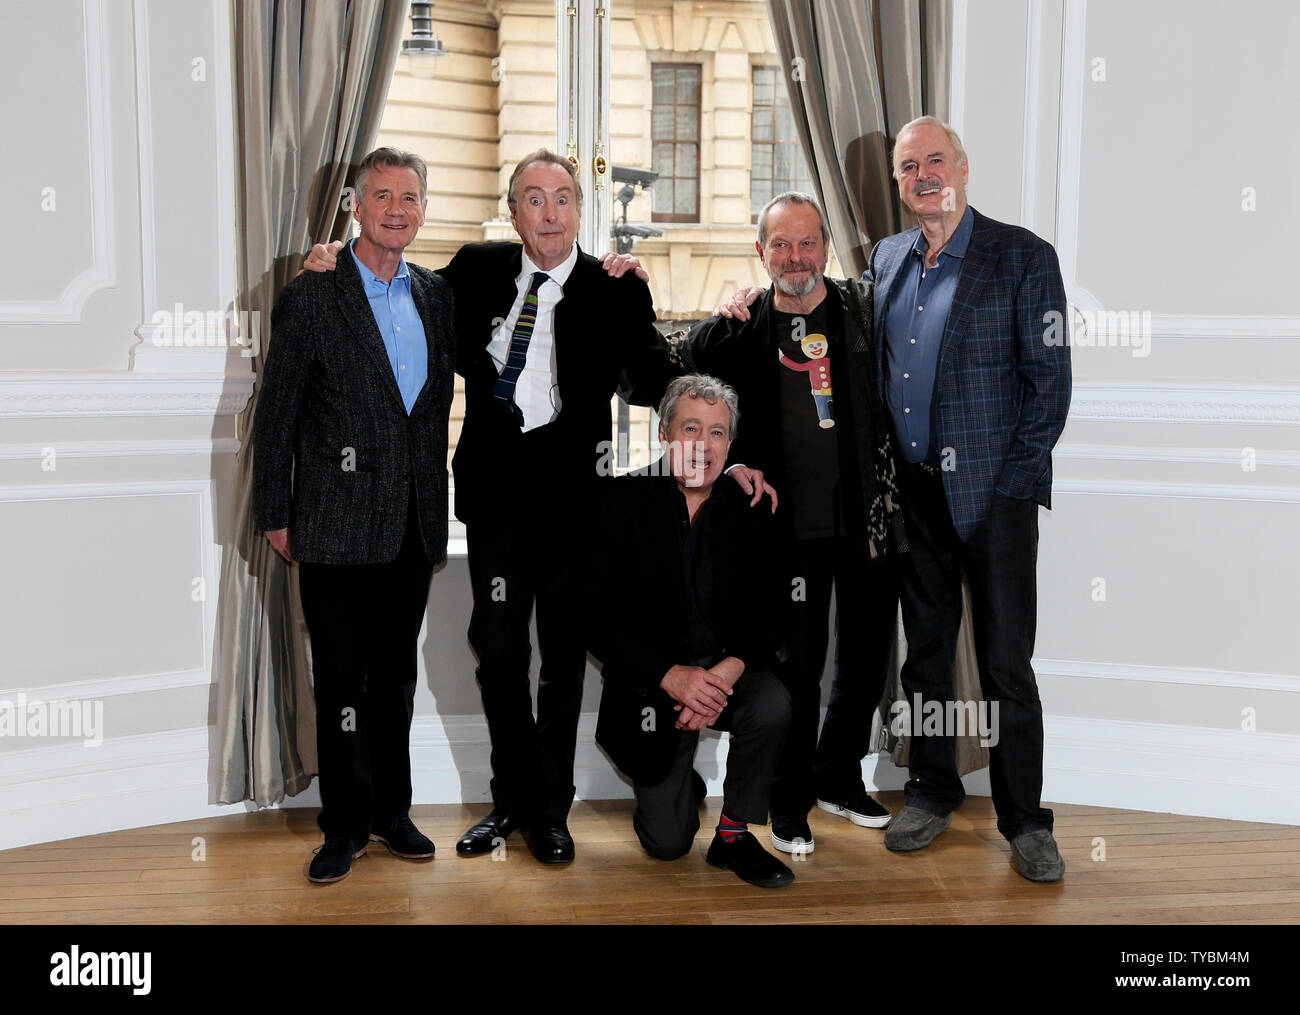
{"x": 1157, "y": 868}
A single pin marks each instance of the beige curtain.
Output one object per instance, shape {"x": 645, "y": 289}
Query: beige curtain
{"x": 311, "y": 81}
{"x": 859, "y": 71}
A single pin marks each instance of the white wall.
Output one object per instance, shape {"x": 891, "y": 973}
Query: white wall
{"x": 115, "y": 453}
{"x": 1136, "y": 179}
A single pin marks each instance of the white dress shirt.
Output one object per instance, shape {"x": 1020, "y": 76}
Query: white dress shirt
{"x": 537, "y": 390}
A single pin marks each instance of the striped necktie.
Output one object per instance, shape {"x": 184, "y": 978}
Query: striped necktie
{"x": 505, "y": 385}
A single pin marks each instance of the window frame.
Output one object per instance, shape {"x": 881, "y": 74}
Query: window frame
{"x": 656, "y": 215}
{"x": 802, "y": 178}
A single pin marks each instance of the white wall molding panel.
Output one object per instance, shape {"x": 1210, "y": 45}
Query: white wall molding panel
{"x": 94, "y": 395}
{"x": 115, "y": 463}
{"x": 89, "y": 198}
{"x": 190, "y": 317}
{"x": 91, "y": 585}
{"x": 1185, "y": 402}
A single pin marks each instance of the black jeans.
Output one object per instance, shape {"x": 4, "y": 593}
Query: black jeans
{"x": 757, "y": 714}
{"x": 364, "y": 621}
{"x": 510, "y": 570}
{"x": 866, "y": 621}
{"x": 999, "y": 561}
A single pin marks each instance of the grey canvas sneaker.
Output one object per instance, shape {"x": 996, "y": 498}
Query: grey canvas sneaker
{"x": 1036, "y": 857}
{"x": 914, "y": 829}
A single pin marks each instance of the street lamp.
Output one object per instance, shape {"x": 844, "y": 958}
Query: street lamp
{"x": 422, "y": 41}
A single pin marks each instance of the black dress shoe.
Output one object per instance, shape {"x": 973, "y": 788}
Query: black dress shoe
{"x": 403, "y": 839}
{"x": 333, "y": 860}
{"x": 749, "y": 860}
{"x": 484, "y": 837}
{"x": 551, "y": 843}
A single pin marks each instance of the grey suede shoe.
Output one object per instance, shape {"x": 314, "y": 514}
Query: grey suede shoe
{"x": 914, "y": 829}
{"x": 1036, "y": 857}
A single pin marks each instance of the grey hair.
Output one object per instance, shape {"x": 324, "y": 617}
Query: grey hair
{"x": 921, "y": 121}
{"x": 394, "y": 159}
{"x": 791, "y": 197}
{"x": 545, "y": 156}
{"x": 699, "y": 386}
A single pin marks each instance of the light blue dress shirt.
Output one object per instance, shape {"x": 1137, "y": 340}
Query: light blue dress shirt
{"x": 914, "y": 325}
{"x": 400, "y": 325}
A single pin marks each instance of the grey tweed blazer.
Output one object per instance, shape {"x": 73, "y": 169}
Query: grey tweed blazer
{"x": 335, "y": 454}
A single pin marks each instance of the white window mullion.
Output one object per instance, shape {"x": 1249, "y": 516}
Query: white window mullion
{"x": 582, "y": 106}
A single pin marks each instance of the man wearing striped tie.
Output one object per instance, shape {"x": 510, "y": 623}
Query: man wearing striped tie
{"x": 545, "y": 336}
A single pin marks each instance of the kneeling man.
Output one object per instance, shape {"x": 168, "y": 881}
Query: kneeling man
{"x": 687, "y": 622}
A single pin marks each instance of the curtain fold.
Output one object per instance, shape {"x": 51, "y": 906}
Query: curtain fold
{"x": 857, "y": 72}
{"x": 311, "y": 81}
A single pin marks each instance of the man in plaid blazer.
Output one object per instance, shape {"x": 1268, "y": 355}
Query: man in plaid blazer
{"x": 977, "y": 381}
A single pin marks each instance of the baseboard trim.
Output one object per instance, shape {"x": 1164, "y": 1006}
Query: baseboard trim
{"x": 64, "y": 791}
{"x": 1186, "y": 675}
{"x": 1213, "y": 773}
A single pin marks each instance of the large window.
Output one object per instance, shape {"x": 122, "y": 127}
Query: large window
{"x": 675, "y": 134}
{"x": 777, "y": 159}
{"x": 493, "y": 97}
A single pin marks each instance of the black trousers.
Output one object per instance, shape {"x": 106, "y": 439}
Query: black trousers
{"x": 511, "y": 570}
{"x": 364, "y": 622}
{"x": 757, "y": 716}
{"x": 1000, "y": 563}
{"x": 866, "y": 622}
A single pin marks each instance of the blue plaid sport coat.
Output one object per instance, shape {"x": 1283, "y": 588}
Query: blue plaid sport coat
{"x": 1002, "y": 386}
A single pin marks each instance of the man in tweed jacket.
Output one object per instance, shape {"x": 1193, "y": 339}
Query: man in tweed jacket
{"x": 977, "y": 384}
{"x": 350, "y": 482}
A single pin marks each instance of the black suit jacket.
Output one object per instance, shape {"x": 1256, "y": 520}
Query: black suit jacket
{"x": 604, "y": 337}
{"x": 639, "y": 626}
{"x": 328, "y": 400}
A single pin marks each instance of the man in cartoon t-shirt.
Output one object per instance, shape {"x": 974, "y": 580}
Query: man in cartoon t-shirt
{"x": 832, "y": 465}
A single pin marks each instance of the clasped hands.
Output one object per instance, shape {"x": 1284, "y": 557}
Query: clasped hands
{"x": 701, "y": 694}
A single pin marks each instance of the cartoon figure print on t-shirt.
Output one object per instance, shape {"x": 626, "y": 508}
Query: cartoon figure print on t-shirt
{"x": 817, "y": 365}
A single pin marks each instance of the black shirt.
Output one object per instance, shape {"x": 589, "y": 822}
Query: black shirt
{"x": 812, "y": 467}
{"x": 696, "y": 542}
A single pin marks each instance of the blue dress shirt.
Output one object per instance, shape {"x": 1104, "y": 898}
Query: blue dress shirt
{"x": 400, "y": 325}
{"x": 914, "y": 323}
